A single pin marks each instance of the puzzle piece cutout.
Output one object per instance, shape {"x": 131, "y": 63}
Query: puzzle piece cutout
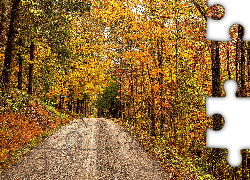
{"x": 235, "y": 134}
{"x": 236, "y": 12}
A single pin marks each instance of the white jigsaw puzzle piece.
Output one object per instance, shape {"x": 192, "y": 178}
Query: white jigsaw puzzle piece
{"x": 235, "y": 135}
{"x": 236, "y": 12}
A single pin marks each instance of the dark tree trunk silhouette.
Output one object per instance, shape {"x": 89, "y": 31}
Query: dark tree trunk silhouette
{"x": 20, "y": 72}
{"x": 228, "y": 65}
{"x": 151, "y": 107}
{"x": 10, "y": 44}
{"x": 160, "y": 81}
{"x": 61, "y": 102}
{"x": 216, "y": 92}
{"x": 30, "y": 85}
{"x": 31, "y": 68}
{"x": 77, "y": 106}
{"x": 240, "y": 60}
{"x": 3, "y": 22}
{"x": 248, "y": 64}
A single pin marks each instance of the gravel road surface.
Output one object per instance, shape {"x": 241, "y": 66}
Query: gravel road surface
{"x": 89, "y": 148}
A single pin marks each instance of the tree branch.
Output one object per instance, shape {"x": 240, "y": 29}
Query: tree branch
{"x": 200, "y": 8}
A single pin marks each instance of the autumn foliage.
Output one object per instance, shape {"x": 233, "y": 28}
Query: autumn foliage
{"x": 146, "y": 63}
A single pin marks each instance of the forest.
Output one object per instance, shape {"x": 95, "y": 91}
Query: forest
{"x": 145, "y": 63}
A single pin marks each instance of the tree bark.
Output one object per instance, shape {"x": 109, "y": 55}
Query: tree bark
{"x": 241, "y": 63}
{"x": 10, "y": 44}
{"x": 248, "y": 65}
{"x": 78, "y": 106}
{"x": 160, "y": 81}
{"x": 244, "y": 164}
{"x": 152, "y": 116}
{"x": 216, "y": 82}
{"x": 3, "y": 22}
{"x": 31, "y": 68}
{"x": 61, "y": 102}
{"x": 151, "y": 106}
{"x": 242, "y": 89}
{"x": 228, "y": 64}
{"x": 30, "y": 85}
{"x": 20, "y": 72}
{"x": 216, "y": 92}
{"x": 85, "y": 107}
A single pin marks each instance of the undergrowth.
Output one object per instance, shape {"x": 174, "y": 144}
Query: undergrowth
{"x": 24, "y": 122}
{"x": 169, "y": 156}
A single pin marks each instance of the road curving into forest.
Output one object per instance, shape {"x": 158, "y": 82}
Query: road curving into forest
{"x": 90, "y": 148}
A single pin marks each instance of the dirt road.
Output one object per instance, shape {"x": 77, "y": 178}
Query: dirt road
{"x": 90, "y": 148}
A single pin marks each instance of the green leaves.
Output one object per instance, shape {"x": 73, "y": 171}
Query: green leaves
{"x": 108, "y": 101}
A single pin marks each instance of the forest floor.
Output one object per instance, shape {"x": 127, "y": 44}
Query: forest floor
{"x": 87, "y": 148}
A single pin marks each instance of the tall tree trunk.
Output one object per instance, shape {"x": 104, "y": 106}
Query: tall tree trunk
{"x": 242, "y": 89}
{"x": 85, "y": 107}
{"x": 31, "y": 68}
{"x": 78, "y": 106}
{"x": 60, "y": 102}
{"x": 131, "y": 106}
{"x": 20, "y": 72}
{"x": 3, "y": 22}
{"x": 30, "y": 85}
{"x": 244, "y": 164}
{"x": 248, "y": 65}
{"x": 152, "y": 116}
{"x": 216, "y": 92}
{"x": 70, "y": 104}
{"x": 160, "y": 81}
{"x": 228, "y": 65}
{"x": 120, "y": 88}
{"x": 144, "y": 93}
{"x": 10, "y": 44}
{"x": 241, "y": 63}
{"x": 151, "y": 106}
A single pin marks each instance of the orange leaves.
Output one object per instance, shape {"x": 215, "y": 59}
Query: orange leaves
{"x": 16, "y": 130}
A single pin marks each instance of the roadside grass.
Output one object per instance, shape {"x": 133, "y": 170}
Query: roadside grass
{"x": 176, "y": 165}
{"x": 25, "y": 121}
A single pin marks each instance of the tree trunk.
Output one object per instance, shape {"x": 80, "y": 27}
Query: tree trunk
{"x": 152, "y": 116}
{"x": 80, "y": 106}
{"x": 70, "y": 104}
{"x": 30, "y": 85}
{"x": 244, "y": 164}
{"x": 20, "y": 72}
{"x": 160, "y": 81}
{"x": 144, "y": 93}
{"x": 85, "y": 107}
{"x": 216, "y": 92}
{"x": 216, "y": 84}
{"x": 120, "y": 87}
{"x": 77, "y": 106}
{"x": 10, "y": 44}
{"x": 131, "y": 98}
{"x": 240, "y": 63}
{"x": 151, "y": 104}
{"x": 242, "y": 89}
{"x": 248, "y": 65}
{"x": 3, "y": 22}
{"x": 31, "y": 68}
{"x": 228, "y": 64}
{"x": 61, "y": 102}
